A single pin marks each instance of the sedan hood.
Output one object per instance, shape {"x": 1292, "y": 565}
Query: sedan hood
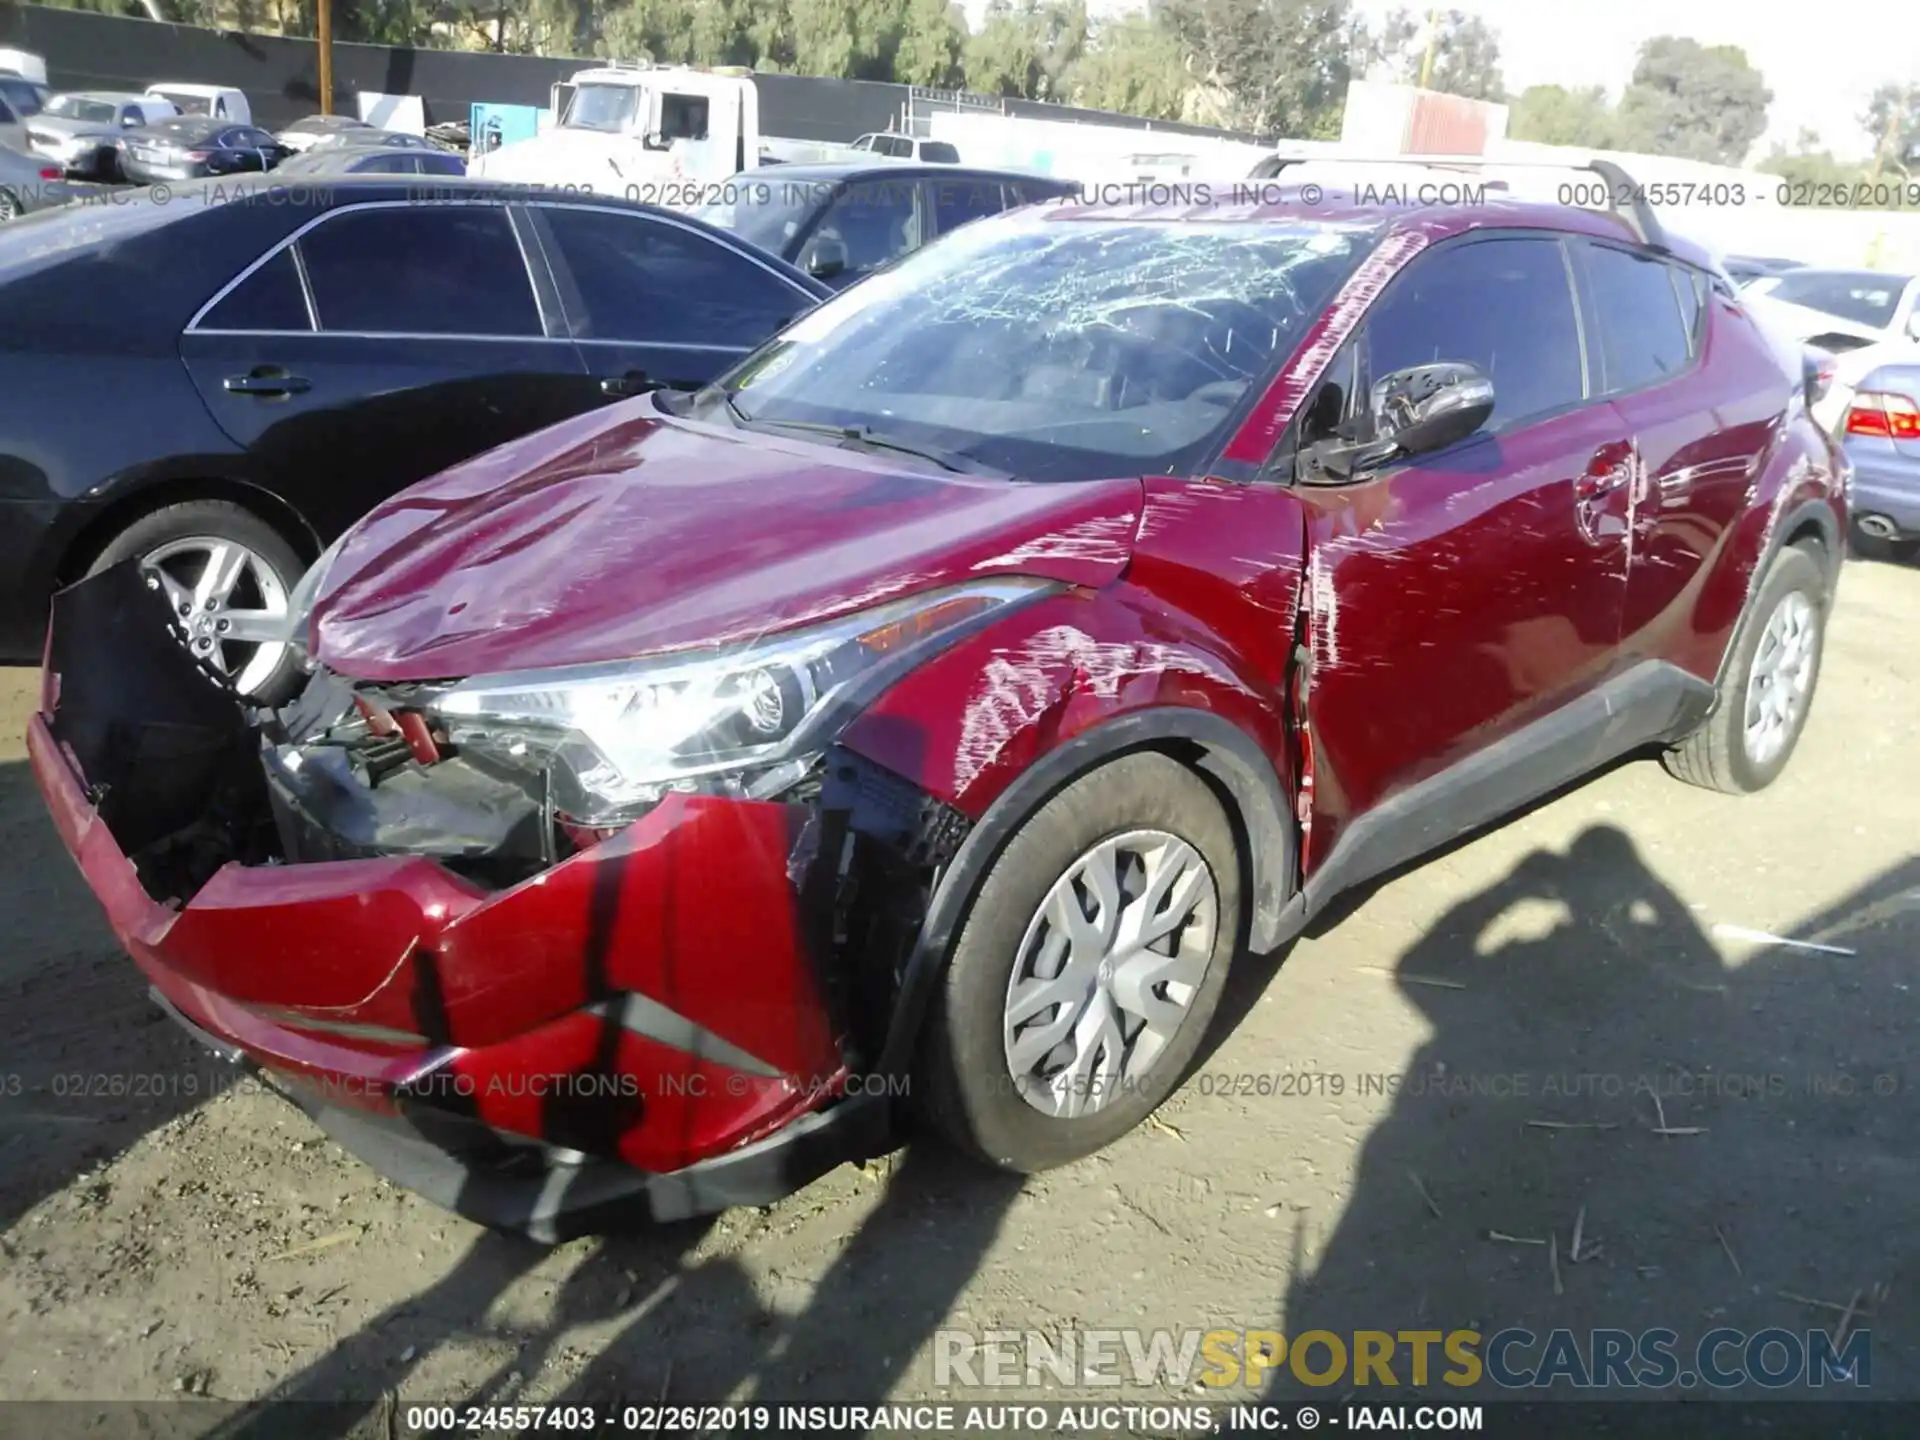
{"x": 627, "y": 532}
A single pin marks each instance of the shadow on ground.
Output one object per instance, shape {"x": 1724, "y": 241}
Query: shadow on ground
{"x": 1578, "y": 1011}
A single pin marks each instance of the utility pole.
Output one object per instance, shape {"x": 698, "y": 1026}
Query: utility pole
{"x": 323, "y": 33}
{"x": 1433, "y": 38}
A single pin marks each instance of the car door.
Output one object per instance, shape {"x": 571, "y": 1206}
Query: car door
{"x": 1646, "y": 334}
{"x": 653, "y": 301}
{"x": 1460, "y": 600}
{"x": 382, "y": 343}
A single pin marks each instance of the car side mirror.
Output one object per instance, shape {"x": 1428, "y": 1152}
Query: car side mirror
{"x": 826, "y": 257}
{"x": 129, "y": 122}
{"x": 1411, "y": 412}
{"x": 653, "y": 140}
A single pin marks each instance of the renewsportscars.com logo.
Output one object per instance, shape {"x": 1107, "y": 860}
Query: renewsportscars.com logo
{"x": 1513, "y": 1359}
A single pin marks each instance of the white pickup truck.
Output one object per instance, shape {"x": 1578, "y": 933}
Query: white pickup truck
{"x": 666, "y": 134}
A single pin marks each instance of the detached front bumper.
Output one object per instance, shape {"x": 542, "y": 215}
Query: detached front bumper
{"x": 642, "y": 1029}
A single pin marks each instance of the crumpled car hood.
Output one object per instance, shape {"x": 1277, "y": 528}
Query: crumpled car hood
{"x": 625, "y": 532}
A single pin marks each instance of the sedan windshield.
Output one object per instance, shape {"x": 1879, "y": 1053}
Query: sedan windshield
{"x": 1865, "y": 297}
{"x": 1053, "y": 348}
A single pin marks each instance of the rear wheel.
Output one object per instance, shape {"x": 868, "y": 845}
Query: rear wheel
{"x": 228, "y": 575}
{"x": 1088, "y": 969}
{"x": 10, "y": 208}
{"x": 1768, "y": 690}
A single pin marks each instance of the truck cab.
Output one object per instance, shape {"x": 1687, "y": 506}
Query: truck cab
{"x": 642, "y": 131}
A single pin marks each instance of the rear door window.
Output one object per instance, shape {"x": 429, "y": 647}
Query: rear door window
{"x": 1506, "y": 306}
{"x": 421, "y": 270}
{"x": 1644, "y": 335}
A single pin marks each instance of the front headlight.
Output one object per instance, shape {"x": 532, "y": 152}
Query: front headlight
{"x": 301, "y": 602}
{"x": 615, "y": 738}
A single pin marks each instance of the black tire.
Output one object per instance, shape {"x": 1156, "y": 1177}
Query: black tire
{"x": 10, "y": 207}
{"x": 1715, "y": 756}
{"x": 219, "y": 519}
{"x": 967, "y": 1088}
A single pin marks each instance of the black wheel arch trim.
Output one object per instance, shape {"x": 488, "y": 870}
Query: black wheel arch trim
{"x": 1815, "y": 512}
{"x": 1226, "y": 753}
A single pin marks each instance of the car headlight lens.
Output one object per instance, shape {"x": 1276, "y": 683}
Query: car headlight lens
{"x": 301, "y": 602}
{"x": 614, "y": 739}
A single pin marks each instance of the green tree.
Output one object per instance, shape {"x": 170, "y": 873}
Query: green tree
{"x": 1811, "y": 163}
{"x": 1892, "y": 118}
{"x": 933, "y": 39}
{"x": 1555, "y": 115}
{"x": 1024, "y": 48}
{"x": 1277, "y": 67}
{"x": 1466, "y": 53}
{"x": 1133, "y": 66}
{"x": 1693, "y": 101}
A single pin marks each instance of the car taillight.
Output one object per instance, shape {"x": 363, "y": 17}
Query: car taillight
{"x": 1890, "y": 417}
{"x": 49, "y": 172}
{"x": 199, "y": 154}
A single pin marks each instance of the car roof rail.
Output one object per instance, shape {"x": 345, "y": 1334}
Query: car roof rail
{"x": 1626, "y": 198}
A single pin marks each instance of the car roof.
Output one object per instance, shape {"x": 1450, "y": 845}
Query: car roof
{"x": 838, "y": 170}
{"x": 1851, "y": 272}
{"x": 1277, "y": 202}
{"x": 109, "y": 97}
{"x": 189, "y": 87}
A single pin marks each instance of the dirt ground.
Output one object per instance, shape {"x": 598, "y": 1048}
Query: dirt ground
{"x": 202, "y": 1237}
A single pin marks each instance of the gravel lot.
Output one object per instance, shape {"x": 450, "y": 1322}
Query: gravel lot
{"x": 202, "y": 1236}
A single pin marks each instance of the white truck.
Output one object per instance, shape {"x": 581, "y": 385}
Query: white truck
{"x": 666, "y": 134}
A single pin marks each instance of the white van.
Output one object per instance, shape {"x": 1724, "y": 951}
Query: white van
{"x": 25, "y": 64}
{"x": 219, "y": 101}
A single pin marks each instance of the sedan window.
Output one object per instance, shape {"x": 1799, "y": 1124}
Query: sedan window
{"x": 645, "y": 279}
{"x": 425, "y": 270}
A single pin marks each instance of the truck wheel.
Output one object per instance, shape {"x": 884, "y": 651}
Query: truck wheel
{"x": 1768, "y": 690}
{"x": 228, "y": 575}
{"x": 1088, "y": 967}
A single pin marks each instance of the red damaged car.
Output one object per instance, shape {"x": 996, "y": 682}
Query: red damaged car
{"x": 922, "y": 718}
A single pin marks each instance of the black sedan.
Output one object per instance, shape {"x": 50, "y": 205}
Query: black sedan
{"x": 840, "y": 221}
{"x": 191, "y": 147}
{"x": 339, "y": 343}
{"x": 372, "y": 158}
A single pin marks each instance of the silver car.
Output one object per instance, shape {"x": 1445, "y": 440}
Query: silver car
{"x": 30, "y": 182}
{"x": 77, "y": 131}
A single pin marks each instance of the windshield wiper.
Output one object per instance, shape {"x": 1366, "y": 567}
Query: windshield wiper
{"x": 868, "y": 436}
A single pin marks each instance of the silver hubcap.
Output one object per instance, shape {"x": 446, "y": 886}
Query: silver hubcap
{"x": 1107, "y": 971}
{"x": 9, "y": 207}
{"x": 230, "y": 602}
{"x": 1781, "y": 677}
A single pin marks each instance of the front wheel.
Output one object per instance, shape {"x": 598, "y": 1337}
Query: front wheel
{"x": 1768, "y": 690}
{"x": 1089, "y": 966}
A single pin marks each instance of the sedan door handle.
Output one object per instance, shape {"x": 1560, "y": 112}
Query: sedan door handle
{"x": 1610, "y": 469}
{"x": 267, "y": 386}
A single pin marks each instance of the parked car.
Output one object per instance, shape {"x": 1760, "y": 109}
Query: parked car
{"x": 1746, "y": 268}
{"x": 841, "y": 221}
{"x": 303, "y": 134}
{"x": 325, "y": 368}
{"x": 216, "y": 102}
{"x": 950, "y": 692}
{"x": 1873, "y": 407}
{"x": 29, "y": 183}
{"x": 908, "y": 147}
{"x": 193, "y": 147}
{"x": 81, "y": 130}
{"x": 20, "y": 100}
{"x": 1839, "y": 310}
{"x": 373, "y": 158}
